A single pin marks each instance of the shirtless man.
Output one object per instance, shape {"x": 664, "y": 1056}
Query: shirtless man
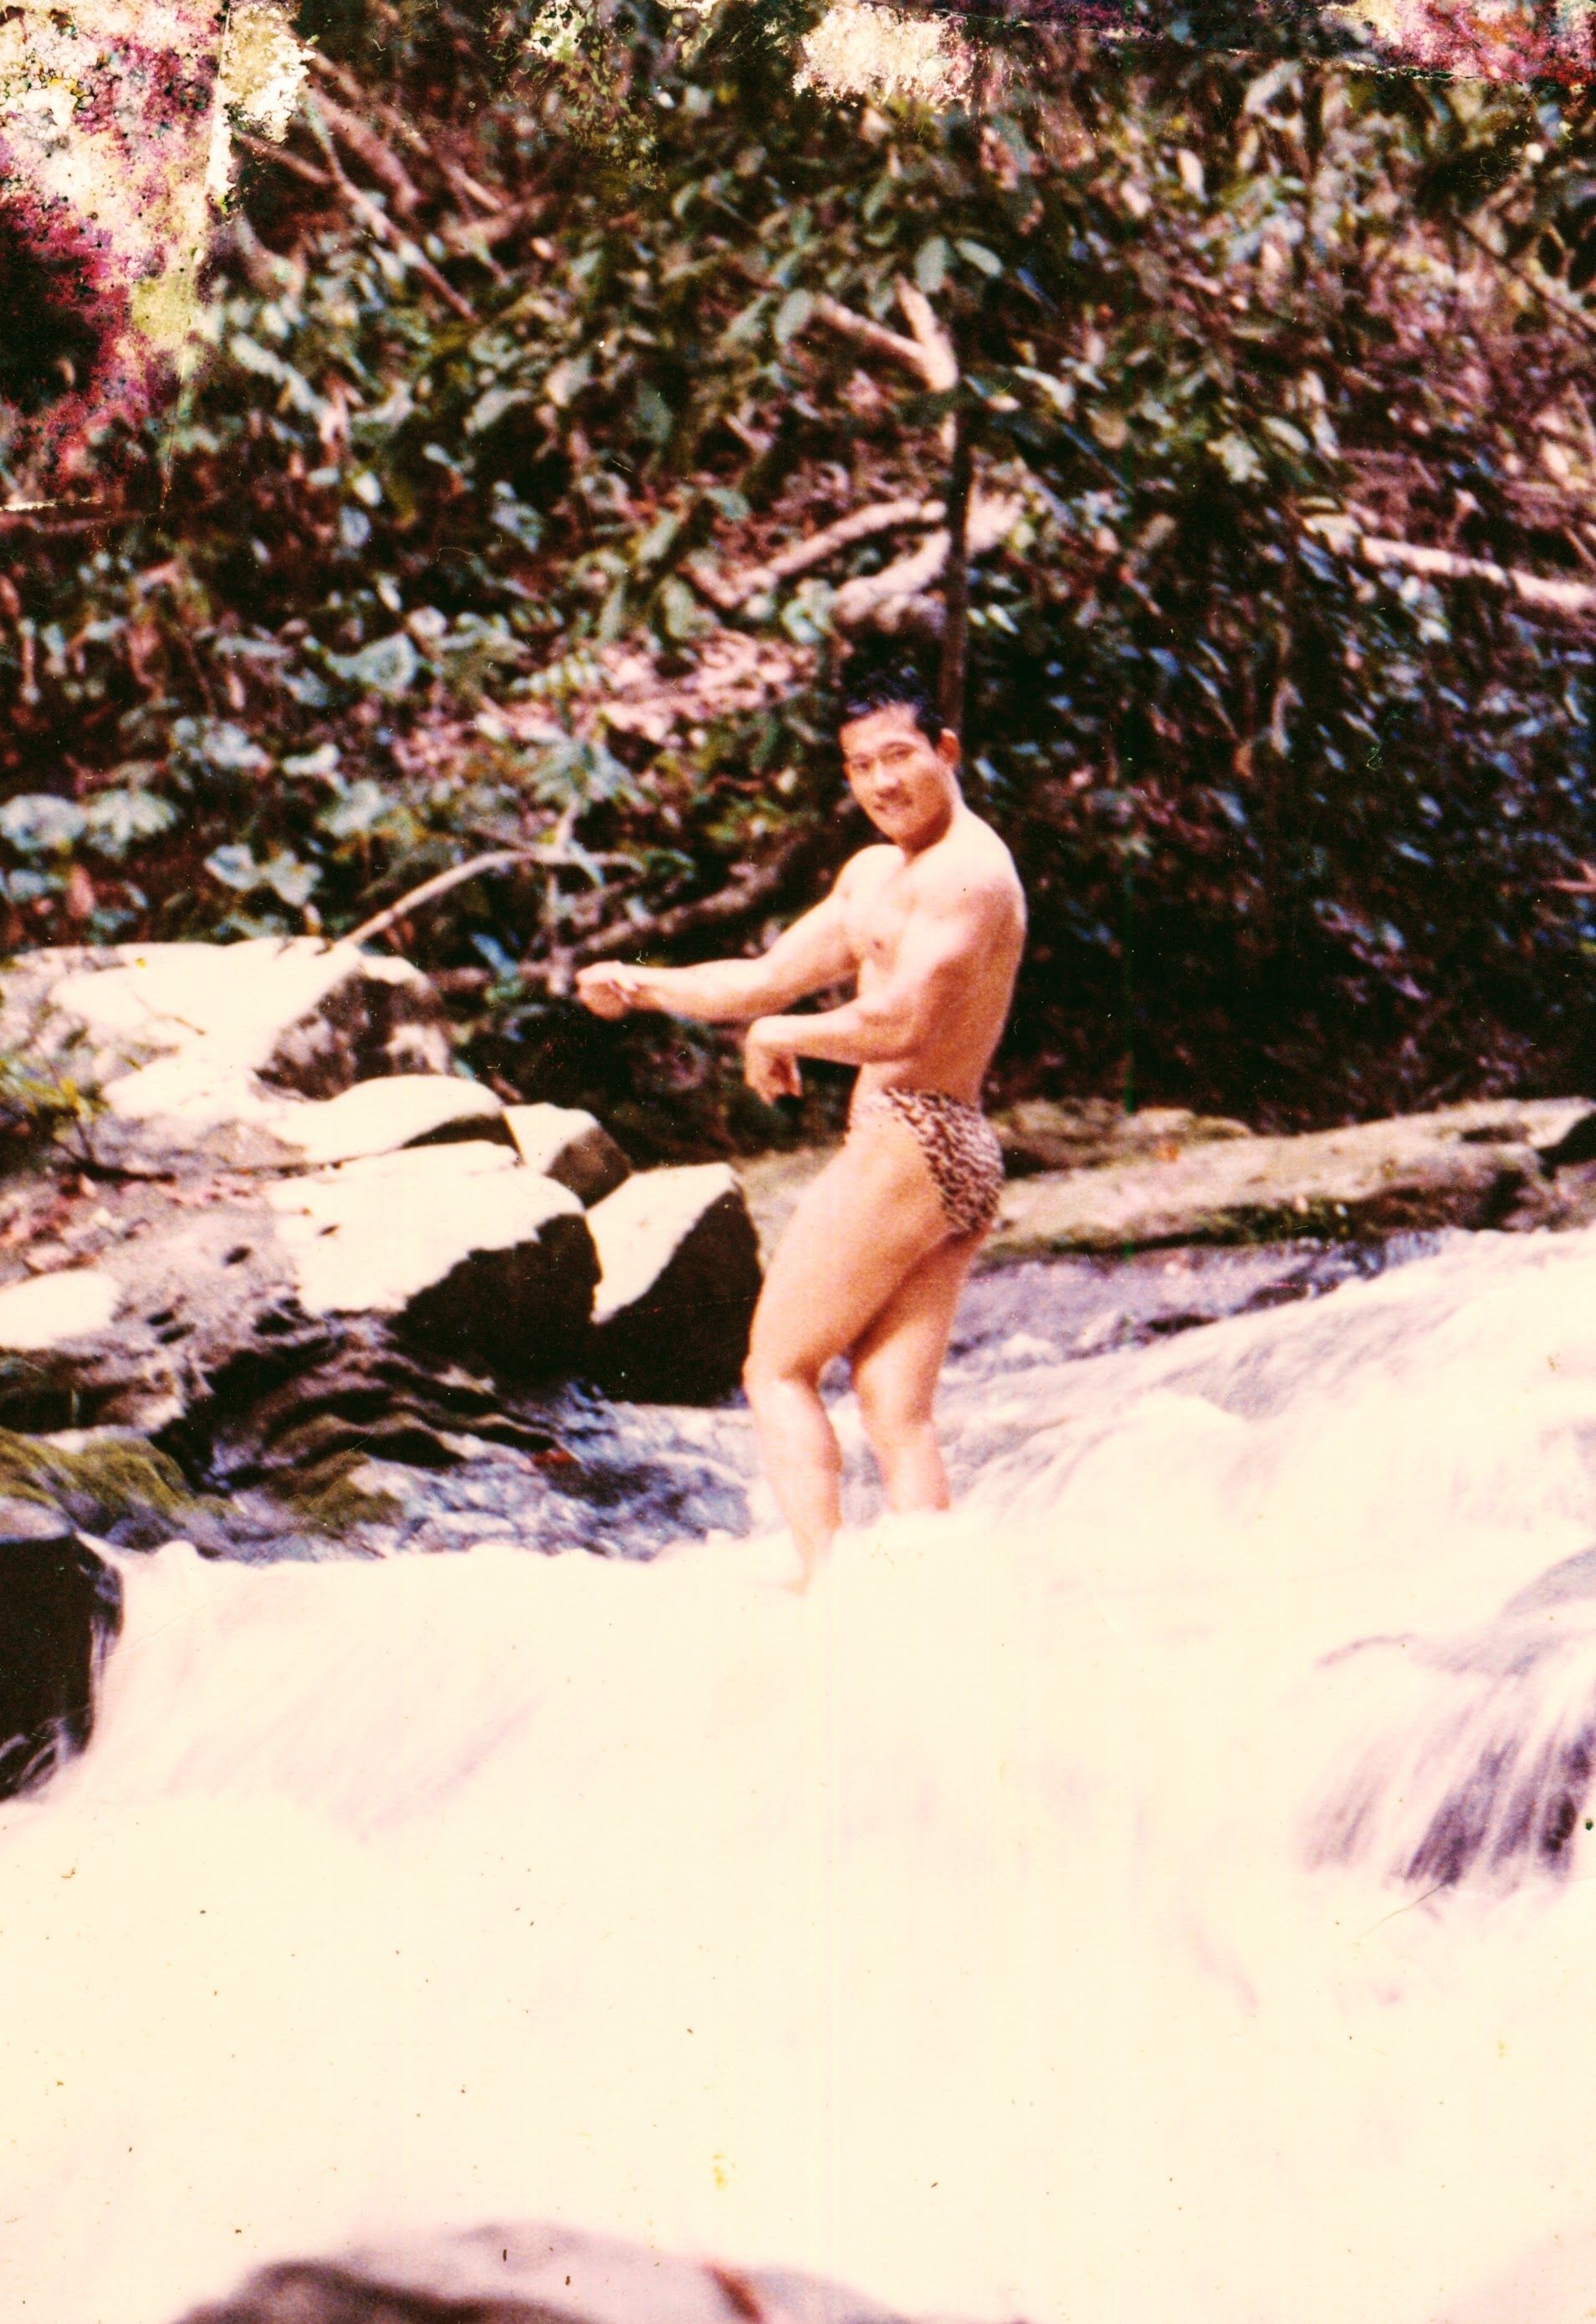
{"x": 930, "y": 926}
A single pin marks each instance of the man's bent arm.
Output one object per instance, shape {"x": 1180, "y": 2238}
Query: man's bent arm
{"x": 885, "y": 1027}
{"x": 861, "y": 1033}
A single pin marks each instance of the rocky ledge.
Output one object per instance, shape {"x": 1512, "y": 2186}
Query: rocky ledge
{"x": 1086, "y": 1176}
{"x": 255, "y": 1218}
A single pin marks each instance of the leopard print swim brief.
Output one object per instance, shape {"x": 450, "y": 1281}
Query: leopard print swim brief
{"x": 960, "y": 1146}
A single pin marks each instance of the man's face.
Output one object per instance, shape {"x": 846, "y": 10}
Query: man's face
{"x": 903, "y": 780}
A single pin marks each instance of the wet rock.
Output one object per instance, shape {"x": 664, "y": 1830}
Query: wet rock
{"x": 680, "y": 1279}
{"x": 61, "y": 1610}
{"x": 468, "y": 1252}
{"x": 570, "y": 1147}
{"x": 1567, "y": 1135}
{"x": 532, "y": 2275}
{"x": 1486, "y": 1772}
{"x": 108, "y": 1483}
{"x": 1469, "y": 1166}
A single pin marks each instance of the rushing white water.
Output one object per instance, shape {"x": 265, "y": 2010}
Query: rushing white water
{"x": 1011, "y": 1927}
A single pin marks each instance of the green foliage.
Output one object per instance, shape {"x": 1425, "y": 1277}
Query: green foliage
{"x": 441, "y": 560}
{"x": 38, "y": 1102}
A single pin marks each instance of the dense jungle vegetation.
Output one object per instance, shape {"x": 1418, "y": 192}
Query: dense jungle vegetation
{"x": 580, "y": 390}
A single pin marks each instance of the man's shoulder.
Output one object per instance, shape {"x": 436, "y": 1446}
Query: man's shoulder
{"x": 870, "y": 865}
{"x": 972, "y": 863}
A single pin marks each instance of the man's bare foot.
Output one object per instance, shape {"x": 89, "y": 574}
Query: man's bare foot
{"x": 809, "y": 1563}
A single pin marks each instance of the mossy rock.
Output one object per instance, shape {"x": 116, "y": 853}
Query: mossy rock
{"x": 120, "y": 1488}
{"x": 130, "y": 1493}
{"x": 325, "y": 1497}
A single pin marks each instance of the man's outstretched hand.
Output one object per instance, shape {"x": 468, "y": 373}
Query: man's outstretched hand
{"x": 770, "y": 1070}
{"x": 608, "y": 988}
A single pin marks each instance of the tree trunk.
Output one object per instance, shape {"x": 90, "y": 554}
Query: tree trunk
{"x": 956, "y": 628}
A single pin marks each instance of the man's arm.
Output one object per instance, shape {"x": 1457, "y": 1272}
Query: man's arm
{"x": 812, "y": 953}
{"x": 944, "y": 939}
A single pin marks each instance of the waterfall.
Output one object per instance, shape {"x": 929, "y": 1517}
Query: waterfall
{"x": 1156, "y": 1888}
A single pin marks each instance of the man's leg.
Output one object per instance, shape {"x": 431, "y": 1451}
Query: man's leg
{"x": 896, "y": 1364}
{"x": 871, "y": 1218}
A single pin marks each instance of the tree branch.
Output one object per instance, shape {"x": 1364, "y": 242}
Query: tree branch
{"x": 938, "y": 363}
{"x": 737, "y": 901}
{"x": 378, "y": 155}
{"x": 380, "y": 223}
{"x": 266, "y": 149}
{"x": 468, "y": 235}
{"x": 869, "y": 332}
{"x": 1344, "y": 536}
{"x": 358, "y": 94}
{"x": 463, "y": 182}
{"x": 864, "y": 599}
{"x": 503, "y": 859}
{"x": 1557, "y": 300}
{"x": 730, "y": 592}
{"x": 928, "y": 352}
{"x": 955, "y": 593}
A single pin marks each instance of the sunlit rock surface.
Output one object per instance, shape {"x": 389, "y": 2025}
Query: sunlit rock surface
{"x": 46, "y": 1310}
{"x": 199, "y": 1048}
{"x": 566, "y": 1143}
{"x": 380, "y": 1117}
{"x": 1469, "y": 1166}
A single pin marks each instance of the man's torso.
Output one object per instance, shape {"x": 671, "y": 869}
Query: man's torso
{"x": 885, "y": 890}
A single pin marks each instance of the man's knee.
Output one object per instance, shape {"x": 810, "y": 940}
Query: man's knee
{"x": 891, "y": 1414}
{"x": 767, "y": 1371}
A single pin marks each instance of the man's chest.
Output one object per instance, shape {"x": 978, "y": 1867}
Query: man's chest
{"x": 879, "y": 917}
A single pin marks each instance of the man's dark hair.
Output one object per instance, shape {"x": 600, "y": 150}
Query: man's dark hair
{"x": 898, "y": 686}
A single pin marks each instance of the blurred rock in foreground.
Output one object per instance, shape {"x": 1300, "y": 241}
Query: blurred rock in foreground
{"x": 532, "y": 2275}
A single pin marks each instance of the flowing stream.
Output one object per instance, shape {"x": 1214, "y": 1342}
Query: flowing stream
{"x": 1157, "y": 1893}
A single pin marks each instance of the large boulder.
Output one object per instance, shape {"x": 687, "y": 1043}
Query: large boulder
{"x": 60, "y": 1607}
{"x": 190, "y": 1049}
{"x": 680, "y": 1279}
{"x": 532, "y": 2275}
{"x": 297, "y": 1240}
